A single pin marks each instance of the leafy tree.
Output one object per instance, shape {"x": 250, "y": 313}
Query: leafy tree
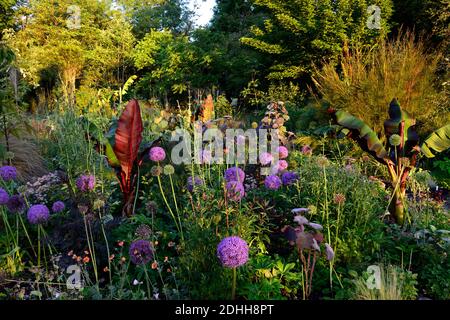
{"x": 299, "y": 33}
{"x": 166, "y": 61}
{"x": 66, "y": 43}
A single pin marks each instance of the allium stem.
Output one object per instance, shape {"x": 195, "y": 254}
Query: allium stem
{"x": 167, "y": 204}
{"x": 233, "y": 285}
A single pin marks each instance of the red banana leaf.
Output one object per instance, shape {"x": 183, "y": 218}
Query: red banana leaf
{"x": 128, "y": 138}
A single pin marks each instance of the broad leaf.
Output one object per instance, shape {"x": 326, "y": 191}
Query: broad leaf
{"x": 366, "y": 137}
{"x": 393, "y": 125}
{"x": 128, "y": 138}
{"x": 438, "y": 141}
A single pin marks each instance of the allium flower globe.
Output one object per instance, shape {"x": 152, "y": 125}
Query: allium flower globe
{"x": 15, "y": 203}
{"x": 232, "y": 252}
{"x": 157, "y": 154}
{"x": 235, "y": 190}
{"x": 58, "y": 206}
{"x": 289, "y": 178}
{"x": 141, "y": 252}
{"x": 283, "y": 152}
{"x": 38, "y": 214}
{"x": 395, "y": 140}
{"x": 192, "y": 183}
{"x": 85, "y": 183}
{"x": 8, "y": 173}
{"x": 282, "y": 165}
{"x": 234, "y": 174}
{"x": 4, "y": 196}
{"x": 265, "y": 158}
{"x": 272, "y": 182}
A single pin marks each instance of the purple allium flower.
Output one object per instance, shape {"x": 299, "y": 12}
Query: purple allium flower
{"x": 265, "y": 158}
{"x": 329, "y": 252}
{"x": 234, "y": 174}
{"x": 38, "y": 214}
{"x": 191, "y": 184}
{"x": 58, "y": 206}
{"x": 289, "y": 178}
{"x": 283, "y": 152}
{"x": 272, "y": 182}
{"x": 141, "y": 252}
{"x": 232, "y": 252}
{"x": 235, "y": 190}
{"x": 8, "y": 173}
{"x": 16, "y": 203}
{"x": 85, "y": 183}
{"x": 4, "y": 196}
{"x": 157, "y": 154}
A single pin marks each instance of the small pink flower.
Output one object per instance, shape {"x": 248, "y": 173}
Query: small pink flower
{"x": 157, "y": 154}
{"x": 301, "y": 220}
{"x": 283, "y": 152}
{"x": 329, "y": 252}
{"x": 315, "y": 226}
{"x": 265, "y": 158}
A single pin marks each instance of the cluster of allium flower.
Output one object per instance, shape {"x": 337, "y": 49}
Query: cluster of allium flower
{"x": 58, "y": 206}
{"x": 289, "y": 178}
{"x": 39, "y": 189}
{"x": 232, "y": 252}
{"x": 141, "y": 252}
{"x": 157, "y": 154}
{"x": 38, "y": 214}
{"x": 234, "y": 174}
{"x": 283, "y": 152}
{"x": 235, "y": 191}
{"x": 272, "y": 182}
{"x": 234, "y": 178}
{"x": 85, "y": 183}
{"x": 265, "y": 158}
{"x": 16, "y": 203}
{"x": 193, "y": 183}
{"x": 8, "y": 173}
{"x": 4, "y": 196}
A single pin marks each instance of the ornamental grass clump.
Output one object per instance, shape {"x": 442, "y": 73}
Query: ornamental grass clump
{"x": 233, "y": 253}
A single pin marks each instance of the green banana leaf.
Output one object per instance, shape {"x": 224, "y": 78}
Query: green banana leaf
{"x": 367, "y": 138}
{"x": 438, "y": 141}
{"x": 392, "y": 125}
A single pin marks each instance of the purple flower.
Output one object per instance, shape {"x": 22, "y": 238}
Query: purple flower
{"x": 8, "y": 173}
{"x": 272, "y": 182}
{"x": 16, "y": 203}
{"x": 4, "y": 196}
{"x": 141, "y": 252}
{"x": 58, "y": 206}
{"x": 289, "y": 178}
{"x": 283, "y": 152}
{"x": 157, "y": 154}
{"x": 85, "y": 183}
{"x": 329, "y": 252}
{"x": 235, "y": 190}
{"x": 192, "y": 184}
{"x": 232, "y": 252}
{"x": 265, "y": 158}
{"x": 300, "y": 210}
{"x": 38, "y": 214}
{"x": 234, "y": 174}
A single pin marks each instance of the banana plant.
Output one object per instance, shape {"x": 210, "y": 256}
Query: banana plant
{"x": 400, "y": 151}
{"x": 125, "y": 153}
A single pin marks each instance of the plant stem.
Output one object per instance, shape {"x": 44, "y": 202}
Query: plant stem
{"x": 233, "y": 287}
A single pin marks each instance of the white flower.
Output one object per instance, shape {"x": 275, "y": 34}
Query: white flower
{"x": 300, "y": 220}
{"x": 329, "y": 252}
{"x": 315, "y": 245}
{"x": 315, "y": 226}
{"x": 135, "y": 282}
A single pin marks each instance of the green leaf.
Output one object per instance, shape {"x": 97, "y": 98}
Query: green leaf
{"x": 438, "y": 141}
{"x": 392, "y": 125}
{"x": 362, "y": 133}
